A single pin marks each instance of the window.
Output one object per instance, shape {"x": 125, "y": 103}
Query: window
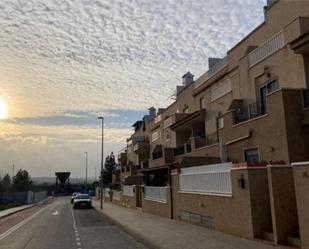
{"x": 272, "y": 86}
{"x": 186, "y": 109}
{"x": 220, "y": 123}
{"x": 252, "y": 155}
{"x": 202, "y": 103}
{"x": 264, "y": 90}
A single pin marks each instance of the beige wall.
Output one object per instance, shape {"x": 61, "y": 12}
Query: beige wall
{"x": 301, "y": 179}
{"x": 274, "y": 134}
{"x": 156, "y": 207}
{"x": 128, "y": 201}
{"x": 283, "y": 203}
{"x": 233, "y": 214}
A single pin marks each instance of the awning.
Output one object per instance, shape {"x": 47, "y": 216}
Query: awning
{"x": 197, "y": 117}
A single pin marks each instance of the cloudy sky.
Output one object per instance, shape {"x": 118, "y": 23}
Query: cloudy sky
{"x": 63, "y": 62}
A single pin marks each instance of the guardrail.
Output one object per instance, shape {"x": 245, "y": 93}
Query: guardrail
{"x": 156, "y": 193}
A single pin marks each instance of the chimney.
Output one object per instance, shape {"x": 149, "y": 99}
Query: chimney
{"x": 152, "y": 112}
{"x": 187, "y": 79}
{"x": 213, "y": 61}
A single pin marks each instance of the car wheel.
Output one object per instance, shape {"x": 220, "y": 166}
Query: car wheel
{"x": 74, "y": 206}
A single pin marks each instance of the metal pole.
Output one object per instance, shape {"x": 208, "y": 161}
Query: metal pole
{"x": 101, "y": 174}
{"x": 86, "y": 169}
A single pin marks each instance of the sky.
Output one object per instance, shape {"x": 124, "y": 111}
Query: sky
{"x": 65, "y": 62}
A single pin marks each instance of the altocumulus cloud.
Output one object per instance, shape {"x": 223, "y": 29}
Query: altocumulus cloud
{"x": 63, "y": 62}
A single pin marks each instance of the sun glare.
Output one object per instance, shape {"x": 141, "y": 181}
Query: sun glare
{"x": 3, "y": 108}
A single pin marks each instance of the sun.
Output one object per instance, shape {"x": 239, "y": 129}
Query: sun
{"x": 3, "y": 109}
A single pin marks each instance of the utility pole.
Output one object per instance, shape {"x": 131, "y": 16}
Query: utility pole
{"x": 13, "y": 170}
{"x": 101, "y": 174}
{"x": 86, "y": 169}
{"x": 95, "y": 174}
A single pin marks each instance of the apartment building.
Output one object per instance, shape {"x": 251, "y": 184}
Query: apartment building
{"x": 220, "y": 155}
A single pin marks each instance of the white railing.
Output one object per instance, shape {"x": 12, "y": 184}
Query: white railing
{"x": 156, "y": 193}
{"x": 209, "y": 179}
{"x": 267, "y": 48}
{"x": 128, "y": 190}
{"x": 116, "y": 194}
{"x": 211, "y": 72}
{"x": 106, "y": 192}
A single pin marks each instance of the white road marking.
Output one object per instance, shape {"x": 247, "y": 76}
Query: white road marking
{"x": 55, "y": 213}
{"x": 14, "y": 228}
{"x": 78, "y": 243}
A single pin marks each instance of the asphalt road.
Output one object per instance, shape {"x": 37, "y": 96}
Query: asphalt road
{"x": 58, "y": 226}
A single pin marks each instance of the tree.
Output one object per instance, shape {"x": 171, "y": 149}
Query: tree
{"x": 109, "y": 168}
{"x": 22, "y": 181}
{"x": 6, "y": 183}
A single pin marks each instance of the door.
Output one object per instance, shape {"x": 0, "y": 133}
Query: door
{"x": 263, "y": 93}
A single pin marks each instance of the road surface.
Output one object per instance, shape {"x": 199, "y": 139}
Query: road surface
{"x": 58, "y": 226}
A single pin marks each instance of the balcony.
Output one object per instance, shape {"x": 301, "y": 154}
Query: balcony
{"x": 266, "y": 49}
{"x": 141, "y": 147}
{"x": 122, "y": 158}
{"x": 306, "y": 98}
{"x": 209, "y": 139}
{"x": 182, "y": 150}
{"x": 248, "y": 112}
{"x": 297, "y": 35}
{"x": 157, "y": 154}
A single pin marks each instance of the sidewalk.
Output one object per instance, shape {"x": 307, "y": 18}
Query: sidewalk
{"x": 159, "y": 232}
{"x": 10, "y": 211}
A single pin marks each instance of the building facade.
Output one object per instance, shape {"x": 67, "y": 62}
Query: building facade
{"x": 249, "y": 115}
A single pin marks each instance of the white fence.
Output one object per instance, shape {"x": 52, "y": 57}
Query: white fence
{"x": 209, "y": 179}
{"x": 128, "y": 190}
{"x": 156, "y": 193}
{"x": 267, "y": 48}
{"x": 116, "y": 194}
{"x": 106, "y": 192}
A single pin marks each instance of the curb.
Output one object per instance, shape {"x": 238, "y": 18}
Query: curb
{"x": 23, "y": 209}
{"x": 142, "y": 239}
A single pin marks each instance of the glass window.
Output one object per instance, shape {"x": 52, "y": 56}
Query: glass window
{"x": 272, "y": 86}
{"x": 252, "y": 155}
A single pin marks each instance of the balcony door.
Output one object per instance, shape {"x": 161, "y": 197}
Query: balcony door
{"x": 263, "y": 94}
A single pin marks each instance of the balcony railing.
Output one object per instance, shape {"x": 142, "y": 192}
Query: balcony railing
{"x": 306, "y": 98}
{"x": 157, "y": 154}
{"x": 200, "y": 141}
{"x": 145, "y": 164}
{"x": 184, "y": 149}
{"x": 209, "y": 139}
{"x": 179, "y": 151}
{"x": 267, "y": 48}
{"x": 248, "y": 112}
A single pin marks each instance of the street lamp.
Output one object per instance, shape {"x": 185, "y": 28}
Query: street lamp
{"x": 86, "y": 153}
{"x": 101, "y": 179}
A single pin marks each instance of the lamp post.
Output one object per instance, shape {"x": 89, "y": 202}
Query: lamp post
{"x": 101, "y": 179}
{"x": 86, "y": 182}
